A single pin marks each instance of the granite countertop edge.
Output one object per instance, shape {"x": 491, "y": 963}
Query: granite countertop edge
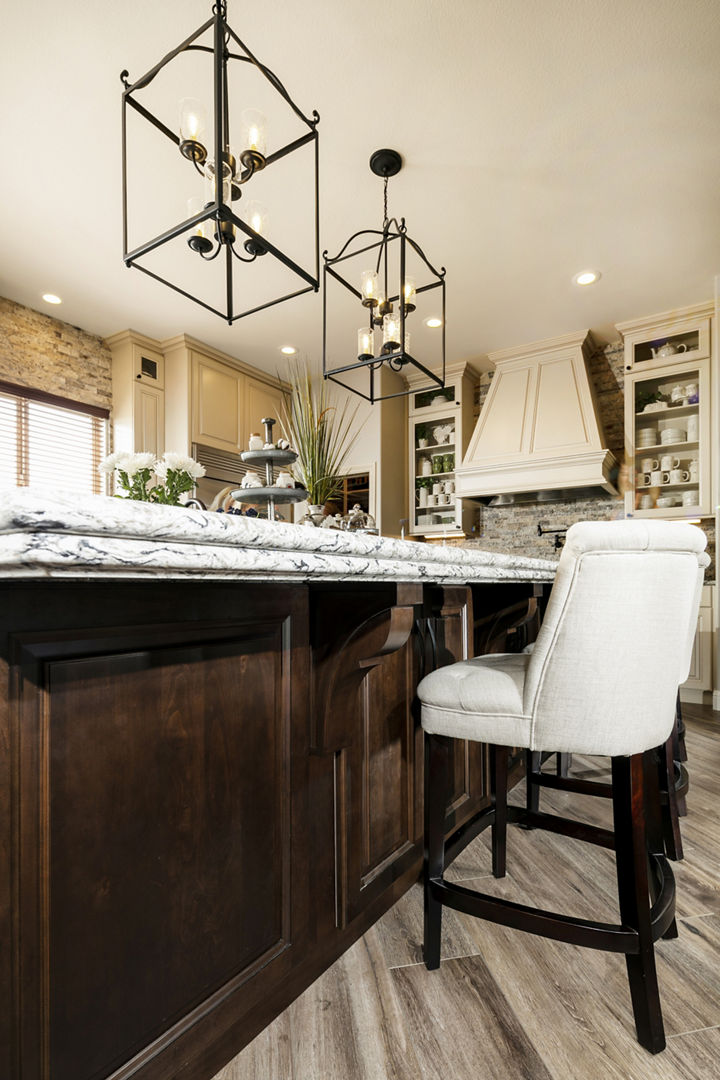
{"x": 67, "y": 535}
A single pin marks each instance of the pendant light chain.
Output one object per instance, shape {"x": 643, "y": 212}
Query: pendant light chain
{"x": 385, "y": 213}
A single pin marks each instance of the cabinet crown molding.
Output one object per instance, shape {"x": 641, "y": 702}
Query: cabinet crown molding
{"x": 675, "y": 315}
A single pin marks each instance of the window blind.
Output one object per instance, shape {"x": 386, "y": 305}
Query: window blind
{"x": 51, "y": 442}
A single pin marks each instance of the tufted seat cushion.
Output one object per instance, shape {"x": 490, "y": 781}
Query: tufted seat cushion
{"x": 469, "y": 699}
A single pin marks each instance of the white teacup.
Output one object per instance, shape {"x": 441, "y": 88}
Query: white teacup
{"x": 658, "y": 477}
{"x": 691, "y": 497}
{"x": 646, "y": 502}
{"x": 450, "y": 486}
{"x": 667, "y": 461}
{"x": 644, "y": 479}
{"x": 431, "y": 499}
{"x": 443, "y": 499}
{"x": 649, "y": 463}
{"x": 437, "y": 488}
{"x": 679, "y": 476}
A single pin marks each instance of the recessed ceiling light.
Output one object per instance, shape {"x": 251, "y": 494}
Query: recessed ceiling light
{"x": 51, "y": 298}
{"x": 433, "y": 322}
{"x": 289, "y": 350}
{"x": 587, "y": 277}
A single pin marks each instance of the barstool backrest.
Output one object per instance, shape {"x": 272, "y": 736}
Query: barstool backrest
{"x": 612, "y": 649}
{"x": 704, "y": 561}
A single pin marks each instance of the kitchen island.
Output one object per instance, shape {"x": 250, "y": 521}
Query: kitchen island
{"x": 211, "y": 767}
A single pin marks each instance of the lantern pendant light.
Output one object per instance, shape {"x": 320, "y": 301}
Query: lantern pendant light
{"x": 223, "y": 160}
{"x": 375, "y": 271}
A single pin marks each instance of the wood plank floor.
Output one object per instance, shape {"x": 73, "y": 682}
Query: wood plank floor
{"x": 505, "y": 1005}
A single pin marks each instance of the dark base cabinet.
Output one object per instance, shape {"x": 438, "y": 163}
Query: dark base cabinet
{"x": 207, "y": 793}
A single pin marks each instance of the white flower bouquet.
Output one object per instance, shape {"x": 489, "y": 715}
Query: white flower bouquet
{"x": 175, "y": 472}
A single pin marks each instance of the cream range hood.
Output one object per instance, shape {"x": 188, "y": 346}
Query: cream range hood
{"x": 538, "y": 434}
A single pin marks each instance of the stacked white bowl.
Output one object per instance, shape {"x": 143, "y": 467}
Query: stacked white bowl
{"x": 672, "y": 435}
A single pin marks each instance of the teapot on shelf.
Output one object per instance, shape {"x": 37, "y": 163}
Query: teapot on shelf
{"x": 668, "y": 349}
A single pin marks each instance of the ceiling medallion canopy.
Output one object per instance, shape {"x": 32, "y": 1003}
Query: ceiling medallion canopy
{"x": 389, "y": 277}
{"x": 224, "y": 219}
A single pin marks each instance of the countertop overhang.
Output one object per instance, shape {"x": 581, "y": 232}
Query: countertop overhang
{"x": 94, "y": 536}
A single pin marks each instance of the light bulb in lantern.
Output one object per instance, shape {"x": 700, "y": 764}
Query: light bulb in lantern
{"x": 192, "y": 129}
{"x": 391, "y": 333}
{"x": 369, "y": 288}
{"x": 366, "y": 344}
{"x": 199, "y": 238}
{"x": 253, "y": 139}
{"x": 256, "y": 216}
{"x": 409, "y": 291}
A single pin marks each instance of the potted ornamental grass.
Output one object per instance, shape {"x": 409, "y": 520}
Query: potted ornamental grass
{"x": 321, "y": 434}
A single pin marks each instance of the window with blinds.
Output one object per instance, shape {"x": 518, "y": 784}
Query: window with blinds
{"x": 50, "y": 442}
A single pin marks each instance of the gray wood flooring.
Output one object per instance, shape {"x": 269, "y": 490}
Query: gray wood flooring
{"x": 510, "y": 1006}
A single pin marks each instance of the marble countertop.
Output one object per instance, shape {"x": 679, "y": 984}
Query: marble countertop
{"x": 92, "y": 536}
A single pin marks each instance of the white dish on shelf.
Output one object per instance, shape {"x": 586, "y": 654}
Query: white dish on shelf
{"x": 672, "y": 435}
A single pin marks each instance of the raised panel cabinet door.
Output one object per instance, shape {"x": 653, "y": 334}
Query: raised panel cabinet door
{"x": 216, "y": 404}
{"x": 149, "y": 419}
{"x": 154, "y": 866}
{"x": 261, "y": 400}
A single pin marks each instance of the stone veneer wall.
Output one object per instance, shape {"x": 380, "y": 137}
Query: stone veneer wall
{"x": 514, "y": 528}
{"x": 47, "y": 354}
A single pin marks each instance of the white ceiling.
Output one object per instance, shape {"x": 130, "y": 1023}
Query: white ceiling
{"x": 540, "y": 137}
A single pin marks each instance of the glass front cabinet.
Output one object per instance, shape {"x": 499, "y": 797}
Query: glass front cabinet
{"x": 668, "y": 416}
{"x": 440, "y": 424}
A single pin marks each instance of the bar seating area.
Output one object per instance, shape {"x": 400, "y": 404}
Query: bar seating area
{"x": 592, "y": 685}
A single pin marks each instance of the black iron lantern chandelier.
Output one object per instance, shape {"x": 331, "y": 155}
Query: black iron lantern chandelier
{"x": 388, "y": 292}
{"x": 224, "y": 220}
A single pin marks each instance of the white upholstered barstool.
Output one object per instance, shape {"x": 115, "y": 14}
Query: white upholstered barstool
{"x": 602, "y": 679}
{"x": 672, "y": 774}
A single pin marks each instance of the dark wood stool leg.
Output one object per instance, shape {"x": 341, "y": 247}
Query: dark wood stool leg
{"x": 436, "y": 785}
{"x": 533, "y": 760}
{"x": 655, "y": 814}
{"x": 670, "y": 815}
{"x": 564, "y": 761}
{"x": 681, "y": 754}
{"x": 631, "y": 858}
{"x": 498, "y": 788}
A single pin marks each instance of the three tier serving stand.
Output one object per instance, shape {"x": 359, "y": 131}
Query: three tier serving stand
{"x": 272, "y": 458}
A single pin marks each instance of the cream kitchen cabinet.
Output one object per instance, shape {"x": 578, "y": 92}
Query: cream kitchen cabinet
{"x": 217, "y": 404}
{"x": 440, "y": 423}
{"x": 261, "y": 400}
{"x": 668, "y": 414}
{"x": 701, "y": 675}
{"x": 179, "y": 392}
{"x": 138, "y": 379}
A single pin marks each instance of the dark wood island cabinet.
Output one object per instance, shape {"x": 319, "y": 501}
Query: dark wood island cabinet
{"x": 209, "y": 790}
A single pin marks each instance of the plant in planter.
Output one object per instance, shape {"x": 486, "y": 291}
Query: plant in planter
{"x": 422, "y": 435}
{"x": 319, "y": 432}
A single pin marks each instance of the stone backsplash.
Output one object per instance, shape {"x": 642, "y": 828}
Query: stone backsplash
{"x": 47, "y": 354}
